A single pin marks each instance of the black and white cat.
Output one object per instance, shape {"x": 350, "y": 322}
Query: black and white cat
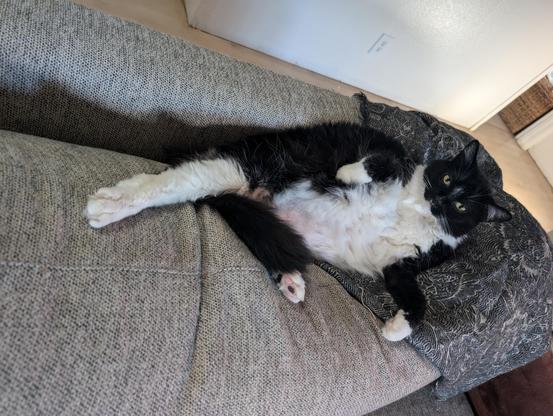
{"x": 341, "y": 193}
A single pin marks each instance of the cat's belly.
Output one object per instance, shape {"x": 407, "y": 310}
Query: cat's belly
{"x": 361, "y": 230}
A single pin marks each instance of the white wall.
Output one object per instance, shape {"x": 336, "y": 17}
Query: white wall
{"x": 461, "y": 60}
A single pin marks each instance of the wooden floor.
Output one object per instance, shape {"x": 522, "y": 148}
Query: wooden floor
{"x": 522, "y": 178}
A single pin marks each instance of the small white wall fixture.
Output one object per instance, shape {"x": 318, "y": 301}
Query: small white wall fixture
{"x": 460, "y": 60}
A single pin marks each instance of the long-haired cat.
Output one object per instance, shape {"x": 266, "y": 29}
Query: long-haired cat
{"x": 341, "y": 193}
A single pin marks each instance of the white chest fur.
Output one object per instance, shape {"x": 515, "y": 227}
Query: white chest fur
{"x": 364, "y": 228}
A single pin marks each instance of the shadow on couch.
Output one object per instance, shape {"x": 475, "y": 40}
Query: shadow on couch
{"x": 55, "y": 112}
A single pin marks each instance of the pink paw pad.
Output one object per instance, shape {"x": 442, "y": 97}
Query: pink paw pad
{"x": 292, "y": 287}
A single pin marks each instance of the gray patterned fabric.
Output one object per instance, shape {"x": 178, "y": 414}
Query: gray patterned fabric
{"x": 167, "y": 312}
{"x": 489, "y": 308}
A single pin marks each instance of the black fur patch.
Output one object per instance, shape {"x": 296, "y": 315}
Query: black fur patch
{"x": 276, "y": 160}
{"x": 400, "y": 280}
{"x": 275, "y": 244}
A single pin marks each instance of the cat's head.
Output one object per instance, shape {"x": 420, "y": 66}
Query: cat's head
{"x": 459, "y": 195}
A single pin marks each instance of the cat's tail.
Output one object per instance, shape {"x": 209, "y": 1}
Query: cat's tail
{"x": 271, "y": 240}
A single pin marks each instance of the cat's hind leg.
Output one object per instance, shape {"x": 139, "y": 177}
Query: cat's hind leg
{"x": 292, "y": 286}
{"x": 275, "y": 243}
{"x": 189, "y": 181}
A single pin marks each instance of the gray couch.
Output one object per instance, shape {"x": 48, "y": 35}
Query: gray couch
{"x": 166, "y": 312}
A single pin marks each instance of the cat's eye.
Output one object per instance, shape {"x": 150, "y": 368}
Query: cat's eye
{"x": 447, "y": 180}
{"x": 459, "y": 206}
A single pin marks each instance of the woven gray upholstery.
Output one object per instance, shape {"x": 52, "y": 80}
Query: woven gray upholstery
{"x": 119, "y": 321}
{"x": 75, "y": 75}
{"x": 91, "y": 322}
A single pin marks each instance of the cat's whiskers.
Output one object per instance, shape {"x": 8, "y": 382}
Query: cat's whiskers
{"x": 445, "y": 224}
{"x": 427, "y": 182}
{"x": 474, "y": 201}
{"x": 471, "y": 197}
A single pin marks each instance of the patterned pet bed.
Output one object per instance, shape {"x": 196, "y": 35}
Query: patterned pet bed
{"x": 489, "y": 308}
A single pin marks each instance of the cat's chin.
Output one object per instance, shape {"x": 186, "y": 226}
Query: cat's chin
{"x": 397, "y": 328}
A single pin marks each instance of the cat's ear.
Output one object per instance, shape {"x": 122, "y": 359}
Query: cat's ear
{"x": 497, "y": 213}
{"x": 469, "y": 153}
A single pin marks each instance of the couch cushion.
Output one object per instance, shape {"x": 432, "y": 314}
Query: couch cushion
{"x": 258, "y": 354}
{"x": 91, "y": 321}
{"x": 117, "y": 320}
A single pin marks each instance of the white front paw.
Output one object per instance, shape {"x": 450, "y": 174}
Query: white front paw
{"x": 397, "y": 328}
{"x": 354, "y": 173}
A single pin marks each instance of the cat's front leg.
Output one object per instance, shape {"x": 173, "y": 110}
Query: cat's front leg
{"x": 354, "y": 173}
{"x": 377, "y": 167}
{"x": 384, "y": 166}
{"x": 402, "y": 285}
{"x": 188, "y": 182}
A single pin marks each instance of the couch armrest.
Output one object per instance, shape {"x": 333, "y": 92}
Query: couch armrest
{"x": 77, "y": 75}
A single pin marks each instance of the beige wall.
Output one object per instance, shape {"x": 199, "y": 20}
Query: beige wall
{"x": 542, "y": 153}
{"x": 538, "y": 140}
